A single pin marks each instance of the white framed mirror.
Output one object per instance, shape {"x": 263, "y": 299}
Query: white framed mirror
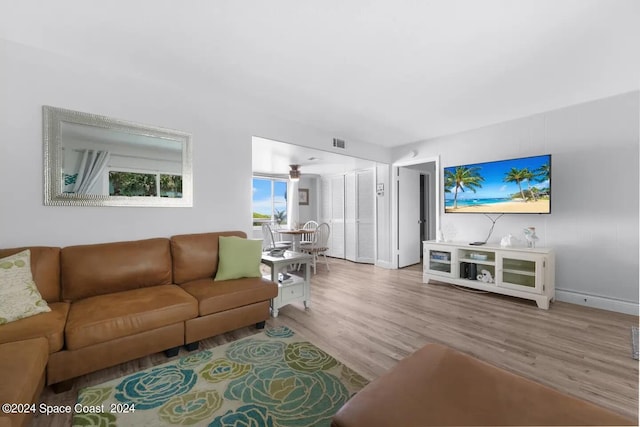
{"x": 92, "y": 160}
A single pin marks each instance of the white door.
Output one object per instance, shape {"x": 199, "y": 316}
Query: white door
{"x": 365, "y": 216}
{"x": 350, "y": 216}
{"x": 332, "y": 211}
{"x": 408, "y": 217}
{"x": 325, "y": 204}
{"x": 336, "y": 234}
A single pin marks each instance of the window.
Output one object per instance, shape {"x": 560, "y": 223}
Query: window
{"x": 122, "y": 183}
{"x": 269, "y": 200}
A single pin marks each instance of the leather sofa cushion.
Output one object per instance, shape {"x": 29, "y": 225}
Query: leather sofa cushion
{"x": 107, "y": 317}
{"x": 45, "y": 268}
{"x": 214, "y": 297}
{"x": 195, "y": 256}
{"x": 90, "y": 270}
{"x": 48, "y": 325}
{"x": 22, "y": 367}
{"x": 438, "y": 386}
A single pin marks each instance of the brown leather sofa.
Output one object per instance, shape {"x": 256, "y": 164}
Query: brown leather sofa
{"x": 124, "y": 305}
{"x": 438, "y": 386}
{"x": 45, "y": 268}
{"x": 115, "y": 302}
{"x": 222, "y": 306}
{"x": 22, "y": 370}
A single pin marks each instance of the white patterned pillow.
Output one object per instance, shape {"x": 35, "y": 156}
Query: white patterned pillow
{"x": 19, "y": 296}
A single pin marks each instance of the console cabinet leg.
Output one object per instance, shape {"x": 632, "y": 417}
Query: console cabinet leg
{"x": 543, "y": 303}
{"x": 260, "y": 325}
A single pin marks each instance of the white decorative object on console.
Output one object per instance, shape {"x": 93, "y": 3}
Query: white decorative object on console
{"x": 516, "y": 271}
{"x": 508, "y": 241}
{"x": 530, "y": 236}
{"x": 485, "y": 276}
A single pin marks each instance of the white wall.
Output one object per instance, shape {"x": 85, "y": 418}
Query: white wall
{"x": 222, "y": 128}
{"x": 309, "y": 212}
{"x": 594, "y": 221}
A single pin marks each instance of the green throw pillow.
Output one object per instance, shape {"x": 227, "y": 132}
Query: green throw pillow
{"x": 19, "y": 296}
{"x": 238, "y": 258}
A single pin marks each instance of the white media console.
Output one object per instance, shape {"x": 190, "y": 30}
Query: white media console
{"x": 516, "y": 271}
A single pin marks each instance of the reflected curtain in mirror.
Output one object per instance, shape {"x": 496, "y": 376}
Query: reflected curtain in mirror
{"x": 92, "y": 167}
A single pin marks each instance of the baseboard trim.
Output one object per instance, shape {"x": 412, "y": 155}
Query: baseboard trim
{"x": 596, "y": 301}
{"x": 384, "y": 264}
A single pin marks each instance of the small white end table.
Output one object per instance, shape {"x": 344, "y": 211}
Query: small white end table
{"x": 297, "y": 289}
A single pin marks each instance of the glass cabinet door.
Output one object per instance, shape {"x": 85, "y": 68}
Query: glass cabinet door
{"x": 439, "y": 261}
{"x": 522, "y": 271}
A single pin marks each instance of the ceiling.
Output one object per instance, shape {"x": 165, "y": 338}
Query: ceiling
{"x": 274, "y": 157}
{"x": 378, "y": 71}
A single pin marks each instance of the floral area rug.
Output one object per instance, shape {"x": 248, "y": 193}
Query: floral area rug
{"x": 274, "y": 378}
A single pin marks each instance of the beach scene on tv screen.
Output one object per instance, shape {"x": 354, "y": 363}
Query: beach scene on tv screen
{"x": 507, "y": 186}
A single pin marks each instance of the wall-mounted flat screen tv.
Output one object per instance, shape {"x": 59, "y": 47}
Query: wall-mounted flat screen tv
{"x": 508, "y": 186}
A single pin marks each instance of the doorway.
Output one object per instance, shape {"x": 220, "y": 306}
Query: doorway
{"x": 416, "y": 209}
{"x": 425, "y": 215}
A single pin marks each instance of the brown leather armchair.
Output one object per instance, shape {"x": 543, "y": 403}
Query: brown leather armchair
{"x": 438, "y": 386}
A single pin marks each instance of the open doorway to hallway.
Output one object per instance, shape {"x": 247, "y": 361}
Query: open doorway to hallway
{"x": 417, "y": 209}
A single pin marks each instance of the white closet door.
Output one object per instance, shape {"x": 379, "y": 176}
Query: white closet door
{"x": 325, "y": 203}
{"x": 326, "y": 209}
{"x": 350, "y": 217}
{"x": 348, "y": 206}
{"x": 336, "y": 236}
{"x": 365, "y": 216}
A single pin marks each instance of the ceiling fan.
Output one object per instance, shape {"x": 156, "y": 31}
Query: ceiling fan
{"x": 294, "y": 173}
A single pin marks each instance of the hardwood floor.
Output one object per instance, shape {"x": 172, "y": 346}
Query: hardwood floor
{"x": 370, "y": 318}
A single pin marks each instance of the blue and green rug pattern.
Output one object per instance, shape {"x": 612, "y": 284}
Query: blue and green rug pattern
{"x": 273, "y": 379}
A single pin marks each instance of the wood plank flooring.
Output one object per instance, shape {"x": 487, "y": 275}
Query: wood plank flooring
{"x": 370, "y": 318}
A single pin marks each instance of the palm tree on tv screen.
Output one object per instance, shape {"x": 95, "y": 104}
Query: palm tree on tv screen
{"x": 535, "y": 193}
{"x": 462, "y": 178}
{"x": 529, "y": 176}
{"x": 542, "y": 174}
{"x": 517, "y": 175}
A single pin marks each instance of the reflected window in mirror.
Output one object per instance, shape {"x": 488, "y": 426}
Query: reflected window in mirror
{"x": 126, "y": 183}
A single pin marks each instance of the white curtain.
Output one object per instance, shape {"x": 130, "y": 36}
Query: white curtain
{"x": 92, "y": 167}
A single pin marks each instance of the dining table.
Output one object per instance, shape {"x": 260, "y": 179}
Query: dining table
{"x": 297, "y": 235}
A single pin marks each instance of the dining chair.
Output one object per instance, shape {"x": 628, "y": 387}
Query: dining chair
{"x": 269, "y": 242}
{"x": 309, "y": 225}
{"x": 319, "y": 245}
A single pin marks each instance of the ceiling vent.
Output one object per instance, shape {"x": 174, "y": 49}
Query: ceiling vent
{"x": 338, "y": 143}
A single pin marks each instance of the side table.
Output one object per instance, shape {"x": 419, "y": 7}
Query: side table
{"x": 295, "y": 288}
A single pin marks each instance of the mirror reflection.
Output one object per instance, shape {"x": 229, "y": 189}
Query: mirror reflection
{"x": 99, "y": 161}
